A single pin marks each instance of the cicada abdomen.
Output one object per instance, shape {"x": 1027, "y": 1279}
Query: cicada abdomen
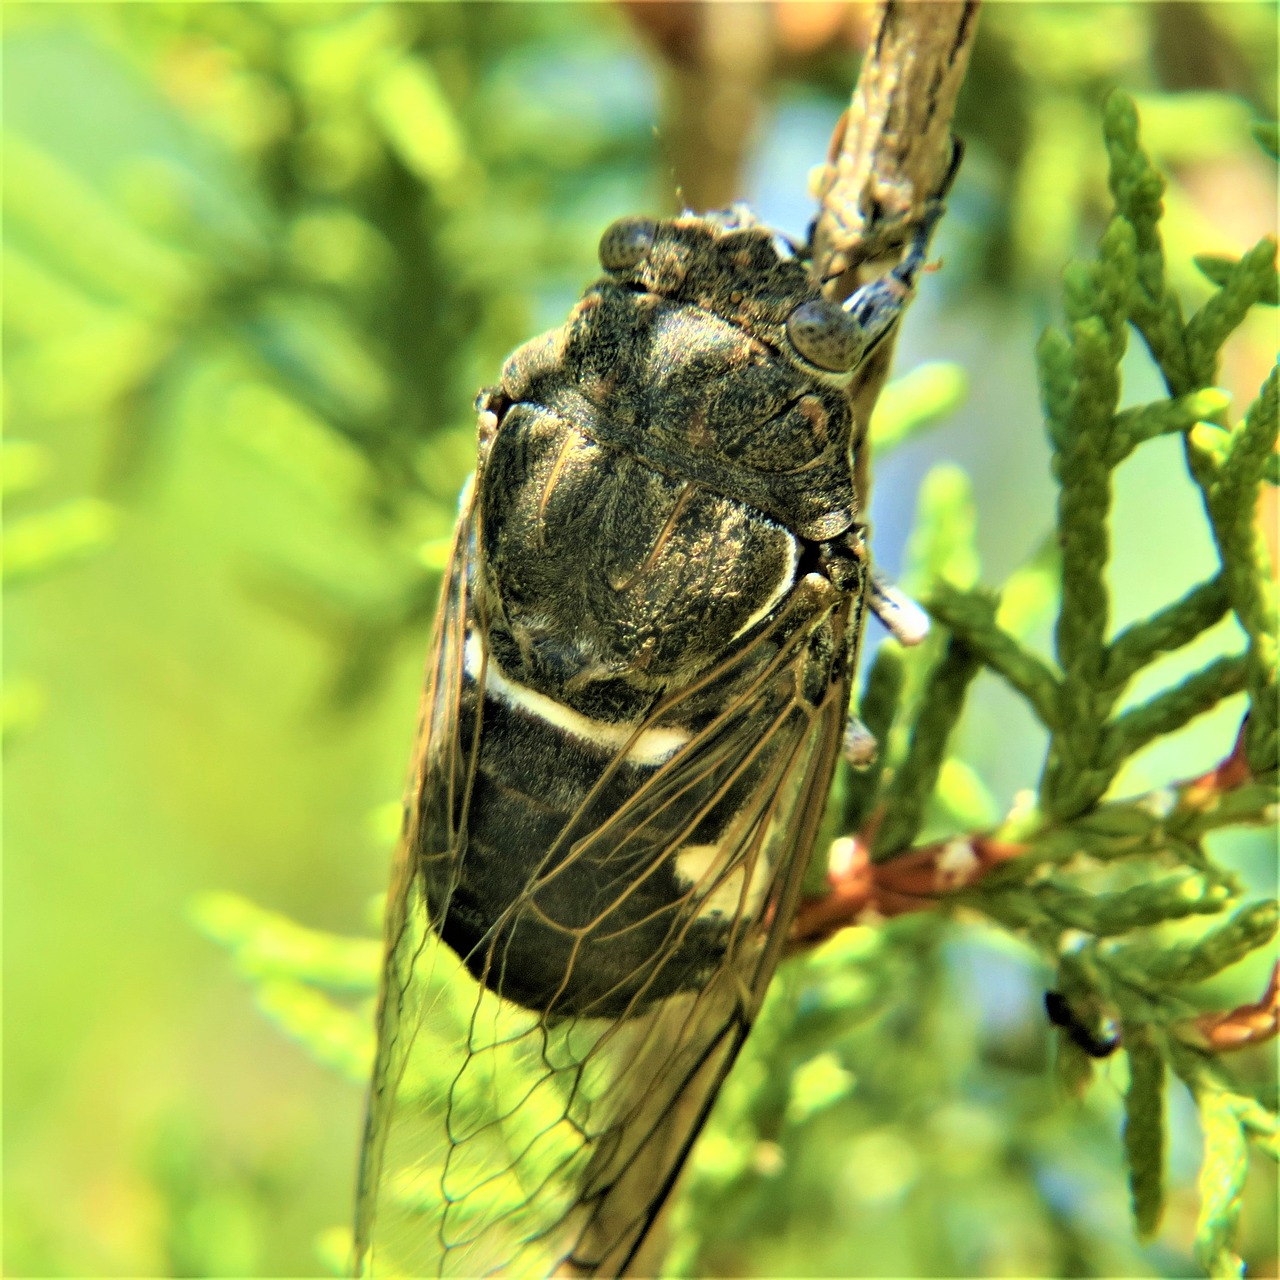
{"x": 635, "y": 703}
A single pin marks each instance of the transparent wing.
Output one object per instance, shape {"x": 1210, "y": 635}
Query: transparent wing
{"x": 508, "y": 1140}
{"x": 440, "y": 765}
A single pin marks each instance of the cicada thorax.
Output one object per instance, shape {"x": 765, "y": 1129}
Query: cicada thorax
{"x": 686, "y": 359}
{"x": 663, "y": 487}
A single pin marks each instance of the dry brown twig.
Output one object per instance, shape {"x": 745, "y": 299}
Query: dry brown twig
{"x": 892, "y": 152}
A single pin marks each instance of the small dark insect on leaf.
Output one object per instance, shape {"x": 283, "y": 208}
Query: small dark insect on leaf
{"x": 635, "y": 700}
{"x": 1093, "y": 1040}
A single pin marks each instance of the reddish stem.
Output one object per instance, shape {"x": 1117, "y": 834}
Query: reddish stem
{"x": 860, "y": 890}
{"x": 1238, "y": 1028}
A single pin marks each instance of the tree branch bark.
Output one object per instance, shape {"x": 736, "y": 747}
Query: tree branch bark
{"x": 892, "y": 152}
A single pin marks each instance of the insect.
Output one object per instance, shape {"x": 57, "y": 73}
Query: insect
{"x": 1097, "y": 1037}
{"x": 635, "y": 701}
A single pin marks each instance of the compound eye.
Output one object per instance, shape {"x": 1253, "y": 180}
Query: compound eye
{"x": 826, "y": 335}
{"x": 626, "y": 242}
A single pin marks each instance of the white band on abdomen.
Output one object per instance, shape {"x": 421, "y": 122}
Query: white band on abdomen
{"x": 648, "y": 747}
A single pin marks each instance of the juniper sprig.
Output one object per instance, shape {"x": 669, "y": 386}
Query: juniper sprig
{"x": 1119, "y": 895}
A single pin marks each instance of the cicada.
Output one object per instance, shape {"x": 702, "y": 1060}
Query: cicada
{"x": 635, "y": 701}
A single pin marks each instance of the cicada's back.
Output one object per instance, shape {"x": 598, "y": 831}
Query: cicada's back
{"x": 634, "y": 707}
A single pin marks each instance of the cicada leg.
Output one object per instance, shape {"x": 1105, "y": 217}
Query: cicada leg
{"x": 905, "y": 620}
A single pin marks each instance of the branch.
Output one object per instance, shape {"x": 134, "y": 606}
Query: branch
{"x": 927, "y": 876}
{"x": 891, "y": 152}
{"x": 858, "y": 888}
{"x": 1238, "y": 1028}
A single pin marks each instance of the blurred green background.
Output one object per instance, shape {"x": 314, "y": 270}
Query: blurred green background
{"x": 257, "y": 261}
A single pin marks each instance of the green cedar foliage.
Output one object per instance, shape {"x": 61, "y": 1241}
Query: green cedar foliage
{"x": 1119, "y": 894}
{"x": 36, "y": 544}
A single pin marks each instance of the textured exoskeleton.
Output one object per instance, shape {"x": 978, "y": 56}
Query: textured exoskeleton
{"x": 635, "y": 703}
